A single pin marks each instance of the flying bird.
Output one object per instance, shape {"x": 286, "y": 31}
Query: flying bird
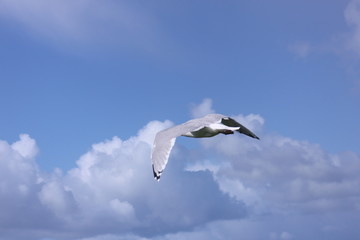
{"x": 208, "y": 126}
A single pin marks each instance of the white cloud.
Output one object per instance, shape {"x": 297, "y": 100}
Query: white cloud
{"x": 116, "y": 237}
{"x": 79, "y": 23}
{"x": 20, "y": 181}
{"x": 202, "y": 109}
{"x": 114, "y": 182}
{"x": 26, "y": 146}
{"x": 271, "y": 227}
{"x": 229, "y": 186}
{"x": 252, "y": 121}
{"x": 147, "y": 134}
{"x": 289, "y": 174}
{"x": 352, "y": 17}
{"x": 123, "y": 209}
{"x": 237, "y": 190}
{"x": 300, "y": 49}
{"x": 282, "y": 236}
{"x": 59, "y": 200}
{"x": 286, "y": 236}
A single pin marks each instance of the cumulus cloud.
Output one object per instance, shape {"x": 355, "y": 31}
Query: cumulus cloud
{"x": 59, "y": 200}
{"x": 20, "y": 181}
{"x": 113, "y": 184}
{"x": 116, "y": 237}
{"x": 282, "y": 174}
{"x": 228, "y": 186}
{"x": 115, "y": 178}
{"x": 200, "y": 110}
{"x": 26, "y": 146}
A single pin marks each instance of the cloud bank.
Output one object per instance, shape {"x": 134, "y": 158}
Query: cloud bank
{"x": 226, "y": 187}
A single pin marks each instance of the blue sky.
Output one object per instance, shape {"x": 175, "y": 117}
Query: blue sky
{"x": 85, "y": 86}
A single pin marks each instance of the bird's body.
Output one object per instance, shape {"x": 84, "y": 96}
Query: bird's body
{"x": 208, "y": 126}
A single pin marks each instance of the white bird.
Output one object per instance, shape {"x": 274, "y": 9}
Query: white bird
{"x": 208, "y": 126}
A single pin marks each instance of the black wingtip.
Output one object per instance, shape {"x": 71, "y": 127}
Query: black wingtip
{"x": 247, "y": 132}
{"x": 156, "y": 176}
{"x": 256, "y": 137}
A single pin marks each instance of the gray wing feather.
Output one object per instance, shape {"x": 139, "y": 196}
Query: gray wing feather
{"x": 165, "y": 140}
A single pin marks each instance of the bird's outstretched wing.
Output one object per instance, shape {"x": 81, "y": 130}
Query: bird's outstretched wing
{"x": 232, "y": 123}
{"x": 165, "y": 140}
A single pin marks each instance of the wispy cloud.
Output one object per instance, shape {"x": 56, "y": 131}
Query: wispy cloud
{"x": 300, "y": 49}
{"x": 69, "y": 23}
{"x": 229, "y": 186}
{"x": 352, "y": 17}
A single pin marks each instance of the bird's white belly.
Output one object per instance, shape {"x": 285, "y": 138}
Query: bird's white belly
{"x": 202, "y": 133}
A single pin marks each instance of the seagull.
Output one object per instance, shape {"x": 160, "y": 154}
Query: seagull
{"x": 208, "y": 126}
